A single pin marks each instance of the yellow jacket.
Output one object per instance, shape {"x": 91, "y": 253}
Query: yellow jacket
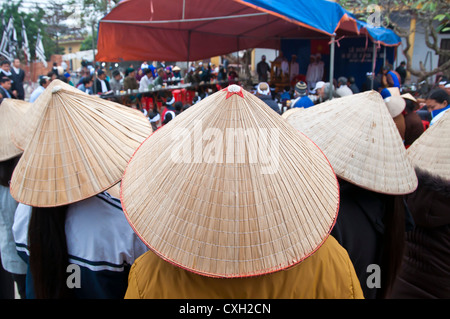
{"x": 328, "y": 273}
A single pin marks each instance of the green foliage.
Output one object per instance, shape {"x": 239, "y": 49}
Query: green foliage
{"x": 87, "y": 43}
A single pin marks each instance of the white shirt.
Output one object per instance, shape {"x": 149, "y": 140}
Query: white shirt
{"x": 36, "y": 93}
{"x": 98, "y": 234}
{"x": 144, "y": 83}
{"x": 104, "y": 88}
{"x": 343, "y": 90}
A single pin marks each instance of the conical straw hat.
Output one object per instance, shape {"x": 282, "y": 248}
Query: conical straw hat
{"x": 225, "y": 205}
{"x": 361, "y": 140}
{"x": 11, "y": 112}
{"x": 395, "y": 105}
{"x": 395, "y": 91}
{"x": 286, "y": 114}
{"x": 80, "y": 146}
{"x": 431, "y": 151}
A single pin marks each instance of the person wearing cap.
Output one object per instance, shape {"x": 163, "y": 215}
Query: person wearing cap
{"x": 176, "y": 72}
{"x": 343, "y": 89}
{"x": 301, "y": 92}
{"x": 368, "y": 156}
{"x": 322, "y": 90}
{"x": 414, "y": 126}
{"x": 101, "y": 83}
{"x": 425, "y": 272}
{"x": 438, "y": 103}
{"x": 69, "y": 226}
{"x": 263, "y": 92}
{"x": 396, "y": 105}
{"x": 68, "y": 77}
{"x": 224, "y": 225}
{"x": 262, "y": 69}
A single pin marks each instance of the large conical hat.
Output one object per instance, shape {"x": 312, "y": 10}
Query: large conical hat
{"x": 230, "y": 189}
{"x": 361, "y": 140}
{"x": 79, "y": 147}
{"x": 287, "y": 113}
{"x": 11, "y": 112}
{"x": 431, "y": 151}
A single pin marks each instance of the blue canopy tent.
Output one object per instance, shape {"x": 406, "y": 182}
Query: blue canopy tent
{"x": 187, "y": 30}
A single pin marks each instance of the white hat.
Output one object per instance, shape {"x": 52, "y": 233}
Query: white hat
{"x": 319, "y": 85}
{"x": 395, "y": 105}
{"x": 262, "y": 91}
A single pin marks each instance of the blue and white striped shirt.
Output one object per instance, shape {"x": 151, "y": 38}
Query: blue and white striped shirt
{"x": 99, "y": 240}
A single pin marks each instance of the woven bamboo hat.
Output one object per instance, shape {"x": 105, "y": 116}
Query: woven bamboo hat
{"x": 361, "y": 140}
{"x": 431, "y": 151}
{"x": 222, "y": 204}
{"x": 286, "y": 114}
{"x": 395, "y": 91}
{"x": 80, "y": 147}
{"x": 395, "y": 105}
{"x": 11, "y": 112}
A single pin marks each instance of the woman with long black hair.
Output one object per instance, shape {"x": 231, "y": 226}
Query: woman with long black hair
{"x": 69, "y": 227}
{"x": 364, "y": 147}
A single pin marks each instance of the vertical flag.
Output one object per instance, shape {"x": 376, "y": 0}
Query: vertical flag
{"x": 4, "y": 45}
{"x": 12, "y": 37}
{"x": 25, "y": 46}
{"x": 40, "y": 53}
{"x": 8, "y": 46}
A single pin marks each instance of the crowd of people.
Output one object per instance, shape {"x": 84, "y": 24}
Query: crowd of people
{"x": 137, "y": 226}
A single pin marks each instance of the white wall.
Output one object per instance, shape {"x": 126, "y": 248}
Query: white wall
{"x": 421, "y": 51}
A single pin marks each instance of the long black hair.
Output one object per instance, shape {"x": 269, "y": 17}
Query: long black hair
{"x": 49, "y": 257}
{"x": 393, "y": 243}
{"x": 6, "y": 170}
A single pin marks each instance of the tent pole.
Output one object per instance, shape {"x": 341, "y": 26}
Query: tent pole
{"x": 93, "y": 59}
{"x": 374, "y": 59}
{"x": 384, "y": 55}
{"x": 332, "y": 47}
{"x": 188, "y": 50}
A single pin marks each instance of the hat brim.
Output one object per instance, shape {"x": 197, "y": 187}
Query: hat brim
{"x": 225, "y": 218}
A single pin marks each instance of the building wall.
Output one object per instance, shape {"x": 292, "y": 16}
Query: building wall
{"x": 421, "y": 53}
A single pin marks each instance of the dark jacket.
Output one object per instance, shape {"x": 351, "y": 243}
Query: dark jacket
{"x": 413, "y": 127}
{"x": 270, "y": 102}
{"x": 426, "y": 264}
{"x": 98, "y": 86}
{"x": 360, "y": 228}
{"x": 17, "y": 83}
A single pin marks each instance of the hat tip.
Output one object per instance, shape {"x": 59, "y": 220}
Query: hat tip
{"x": 56, "y": 88}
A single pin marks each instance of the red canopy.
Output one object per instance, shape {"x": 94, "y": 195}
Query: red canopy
{"x": 189, "y": 30}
